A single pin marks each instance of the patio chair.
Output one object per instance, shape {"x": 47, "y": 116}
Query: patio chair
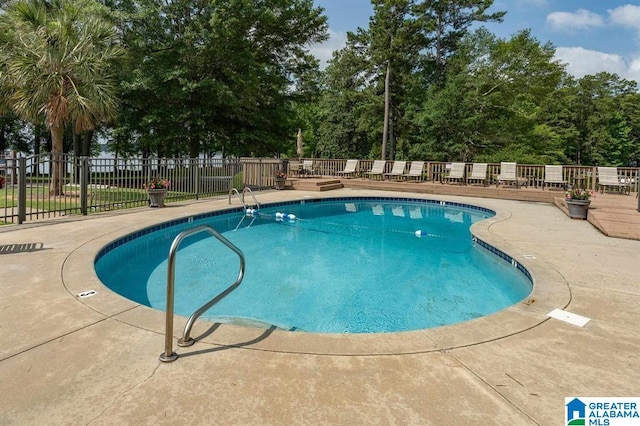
{"x": 307, "y": 168}
{"x": 415, "y": 171}
{"x": 478, "y": 174}
{"x": 608, "y": 178}
{"x": 553, "y": 176}
{"x": 398, "y": 169}
{"x": 295, "y": 167}
{"x": 377, "y": 169}
{"x": 508, "y": 175}
{"x": 349, "y": 169}
{"x": 456, "y": 174}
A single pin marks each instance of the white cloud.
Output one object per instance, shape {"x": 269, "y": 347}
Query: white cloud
{"x": 324, "y": 51}
{"x": 534, "y": 3}
{"x": 634, "y": 70}
{"x": 581, "y": 61}
{"x": 582, "y": 19}
{"x": 627, "y": 16}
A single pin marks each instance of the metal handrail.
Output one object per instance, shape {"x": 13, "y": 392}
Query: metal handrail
{"x": 247, "y": 189}
{"x": 240, "y": 197}
{"x": 253, "y": 219}
{"x": 186, "y": 340}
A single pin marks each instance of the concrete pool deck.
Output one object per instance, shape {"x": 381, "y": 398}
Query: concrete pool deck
{"x": 66, "y": 360}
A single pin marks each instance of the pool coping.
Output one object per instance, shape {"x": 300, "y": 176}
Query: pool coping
{"x": 550, "y": 291}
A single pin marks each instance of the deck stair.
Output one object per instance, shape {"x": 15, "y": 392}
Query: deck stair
{"x": 316, "y": 184}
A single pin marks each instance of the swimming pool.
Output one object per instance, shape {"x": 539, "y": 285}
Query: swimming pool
{"x": 347, "y": 265}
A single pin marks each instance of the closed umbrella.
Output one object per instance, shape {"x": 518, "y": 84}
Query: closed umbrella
{"x": 299, "y": 141}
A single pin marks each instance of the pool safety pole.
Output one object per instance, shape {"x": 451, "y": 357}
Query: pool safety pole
{"x": 186, "y": 340}
{"x": 168, "y": 354}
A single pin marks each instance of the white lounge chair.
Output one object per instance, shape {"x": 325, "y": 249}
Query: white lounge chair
{"x": 478, "y": 174}
{"x": 508, "y": 175}
{"x": 456, "y": 174}
{"x": 608, "y": 178}
{"x": 349, "y": 168}
{"x": 307, "y": 168}
{"x": 553, "y": 176}
{"x": 377, "y": 169}
{"x": 415, "y": 171}
{"x": 295, "y": 168}
{"x": 397, "y": 170}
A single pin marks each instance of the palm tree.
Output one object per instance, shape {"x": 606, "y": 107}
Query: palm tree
{"x": 58, "y": 59}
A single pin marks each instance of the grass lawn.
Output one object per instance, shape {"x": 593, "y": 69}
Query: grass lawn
{"x": 37, "y": 198}
{"x": 100, "y": 197}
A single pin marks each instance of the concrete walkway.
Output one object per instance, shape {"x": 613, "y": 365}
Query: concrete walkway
{"x": 66, "y": 360}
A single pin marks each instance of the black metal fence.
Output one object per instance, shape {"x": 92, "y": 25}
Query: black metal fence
{"x": 44, "y": 186}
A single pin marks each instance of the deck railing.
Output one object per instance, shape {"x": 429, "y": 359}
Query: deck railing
{"x": 585, "y": 176}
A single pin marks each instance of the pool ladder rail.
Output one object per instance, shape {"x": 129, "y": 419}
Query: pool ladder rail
{"x": 168, "y": 355}
{"x": 249, "y": 212}
{"x": 234, "y": 191}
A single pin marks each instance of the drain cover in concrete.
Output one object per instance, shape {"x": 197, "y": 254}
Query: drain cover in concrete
{"x": 569, "y": 317}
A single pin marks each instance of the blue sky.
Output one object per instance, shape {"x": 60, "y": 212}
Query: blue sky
{"x": 589, "y": 35}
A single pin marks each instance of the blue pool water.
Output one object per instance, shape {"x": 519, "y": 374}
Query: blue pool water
{"x": 342, "y": 266}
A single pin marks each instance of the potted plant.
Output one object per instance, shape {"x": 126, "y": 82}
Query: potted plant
{"x": 157, "y": 191}
{"x": 578, "y": 201}
{"x": 280, "y": 179}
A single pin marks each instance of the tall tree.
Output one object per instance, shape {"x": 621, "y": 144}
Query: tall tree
{"x": 489, "y": 104}
{"x": 445, "y": 22}
{"x": 394, "y": 43}
{"x": 343, "y": 128}
{"x": 60, "y": 56}
{"x": 211, "y": 75}
{"x": 410, "y": 41}
{"x": 599, "y": 118}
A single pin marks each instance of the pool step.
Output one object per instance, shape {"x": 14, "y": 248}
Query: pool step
{"x": 316, "y": 184}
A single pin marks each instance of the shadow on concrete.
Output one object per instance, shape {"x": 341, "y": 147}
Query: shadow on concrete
{"x": 21, "y": 248}
{"x": 260, "y": 338}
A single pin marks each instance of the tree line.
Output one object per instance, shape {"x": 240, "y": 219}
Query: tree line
{"x": 424, "y": 80}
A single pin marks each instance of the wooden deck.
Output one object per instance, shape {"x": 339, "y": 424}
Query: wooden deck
{"x": 613, "y": 214}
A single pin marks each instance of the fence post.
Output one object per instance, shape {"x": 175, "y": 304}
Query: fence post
{"x": 244, "y": 169}
{"x": 84, "y": 184}
{"x": 195, "y": 162}
{"x": 14, "y": 173}
{"x": 22, "y": 189}
{"x": 260, "y": 173}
